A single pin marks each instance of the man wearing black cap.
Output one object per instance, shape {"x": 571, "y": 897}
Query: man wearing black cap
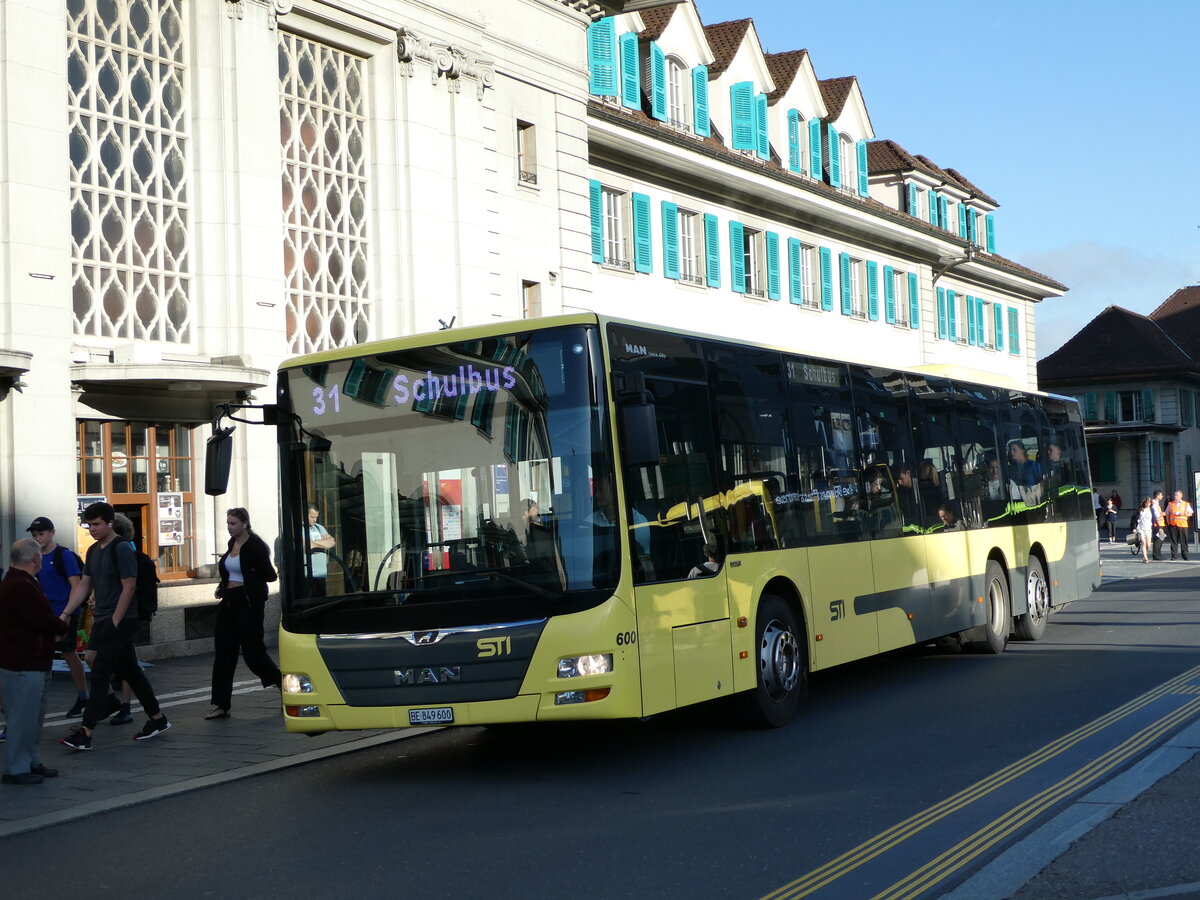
{"x": 58, "y": 576}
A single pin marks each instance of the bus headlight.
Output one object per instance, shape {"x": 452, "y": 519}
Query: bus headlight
{"x": 295, "y": 683}
{"x": 588, "y": 664}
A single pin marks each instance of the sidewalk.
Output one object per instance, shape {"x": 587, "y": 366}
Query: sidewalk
{"x": 1137, "y": 836}
{"x": 193, "y": 754}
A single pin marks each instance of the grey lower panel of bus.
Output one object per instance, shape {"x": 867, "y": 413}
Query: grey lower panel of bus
{"x": 953, "y": 601}
{"x": 431, "y": 667}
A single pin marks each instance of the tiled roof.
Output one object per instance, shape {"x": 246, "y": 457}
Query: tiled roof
{"x": 958, "y": 176}
{"x": 1179, "y": 316}
{"x": 835, "y": 91}
{"x": 1118, "y": 343}
{"x": 783, "y": 68}
{"x": 888, "y": 156}
{"x": 724, "y": 38}
{"x": 714, "y": 148}
{"x": 655, "y": 19}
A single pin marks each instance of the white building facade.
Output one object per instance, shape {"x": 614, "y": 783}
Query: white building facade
{"x": 195, "y": 190}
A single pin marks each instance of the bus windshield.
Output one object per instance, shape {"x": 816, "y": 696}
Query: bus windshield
{"x": 463, "y": 482}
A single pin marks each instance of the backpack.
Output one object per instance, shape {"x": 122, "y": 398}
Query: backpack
{"x": 56, "y": 560}
{"x": 146, "y": 592}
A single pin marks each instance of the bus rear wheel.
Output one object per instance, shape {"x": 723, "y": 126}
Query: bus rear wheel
{"x": 998, "y": 610}
{"x": 782, "y": 663}
{"x": 1031, "y": 624}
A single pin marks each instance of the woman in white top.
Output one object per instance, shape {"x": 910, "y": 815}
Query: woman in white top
{"x": 1145, "y": 527}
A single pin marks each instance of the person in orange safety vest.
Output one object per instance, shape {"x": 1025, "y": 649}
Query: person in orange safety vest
{"x": 1178, "y": 513}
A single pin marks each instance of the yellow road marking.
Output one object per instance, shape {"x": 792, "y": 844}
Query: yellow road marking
{"x": 881, "y": 843}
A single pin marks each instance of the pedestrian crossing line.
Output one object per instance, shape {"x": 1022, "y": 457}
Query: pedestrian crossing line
{"x": 897, "y": 834}
{"x": 1003, "y": 826}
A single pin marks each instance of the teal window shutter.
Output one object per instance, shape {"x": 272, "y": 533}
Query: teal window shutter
{"x": 998, "y": 321}
{"x": 602, "y": 57}
{"x": 1089, "y": 407}
{"x": 914, "y": 201}
{"x": 795, "y": 272}
{"x": 670, "y": 237}
{"x": 864, "y": 184}
{"x": 737, "y": 257}
{"x": 914, "y": 301}
{"x": 793, "y": 140}
{"x": 1014, "y": 335}
{"x": 934, "y": 199}
{"x": 872, "y": 290}
{"x": 700, "y": 100}
{"x": 826, "y": 279}
{"x": 772, "y": 266}
{"x": 941, "y": 305}
{"x": 980, "y": 326}
{"x": 741, "y": 111}
{"x": 712, "y": 251}
{"x": 889, "y": 295}
{"x": 1110, "y": 399}
{"x": 1147, "y": 404}
{"x": 631, "y": 82}
{"x": 971, "y": 335}
{"x": 814, "y": 148}
{"x": 643, "y": 255}
{"x": 658, "y": 82}
{"x": 989, "y": 222}
{"x": 835, "y": 156}
{"x": 595, "y": 204}
{"x": 962, "y": 221}
{"x": 952, "y": 314}
{"x": 844, "y": 267}
{"x": 944, "y": 211}
{"x": 762, "y": 137}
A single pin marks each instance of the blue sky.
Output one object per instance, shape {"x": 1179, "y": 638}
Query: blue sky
{"x": 1079, "y": 118}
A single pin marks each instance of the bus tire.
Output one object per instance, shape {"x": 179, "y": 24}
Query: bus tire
{"x": 782, "y": 666}
{"x": 1031, "y": 624}
{"x": 998, "y": 610}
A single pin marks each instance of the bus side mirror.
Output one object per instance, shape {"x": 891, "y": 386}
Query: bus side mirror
{"x": 218, "y": 459}
{"x": 640, "y": 430}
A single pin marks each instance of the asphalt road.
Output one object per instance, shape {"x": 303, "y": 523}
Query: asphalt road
{"x": 901, "y": 777}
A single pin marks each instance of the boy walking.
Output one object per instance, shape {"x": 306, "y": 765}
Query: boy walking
{"x": 58, "y": 576}
{"x": 111, "y": 571}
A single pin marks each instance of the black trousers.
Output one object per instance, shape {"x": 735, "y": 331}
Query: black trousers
{"x": 116, "y": 658}
{"x": 1156, "y": 545}
{"x": 239, "y": 632}
{"x": 1179, "y": 538}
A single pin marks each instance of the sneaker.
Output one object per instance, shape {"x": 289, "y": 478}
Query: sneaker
{"x": 3, "y": 735}
{"x": 78, "y": 739}
{"x": 123, "y": 717}
{"x": 78, "y": 708}
{"x": 152, "y": 728}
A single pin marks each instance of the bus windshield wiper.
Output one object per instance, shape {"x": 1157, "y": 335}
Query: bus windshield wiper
{"x": 536, "y": 589}
{"x": 346, "y": 598}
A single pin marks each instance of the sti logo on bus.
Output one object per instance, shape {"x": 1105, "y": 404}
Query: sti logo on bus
{"x": 497, "y": 646}
{"x": 427, "y": 675}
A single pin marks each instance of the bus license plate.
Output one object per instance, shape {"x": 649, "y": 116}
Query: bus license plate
{"x": 442, "y": 715}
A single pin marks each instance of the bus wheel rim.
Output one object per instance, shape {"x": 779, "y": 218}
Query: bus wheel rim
{"x": 996, "y": 611}
{"x": 1036, "y": 595}
{"x": 779, "y": 660}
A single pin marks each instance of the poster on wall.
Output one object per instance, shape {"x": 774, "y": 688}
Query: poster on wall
{"x": 170, "y": 520}
{"x": 83, "y": 501}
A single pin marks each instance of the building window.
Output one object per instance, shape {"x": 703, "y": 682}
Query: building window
{"x": 322, "y": 125}
{"x": 1156, "y": 460}
{"x": 810, "y": 277}
{"x": 526, "y": 153}
{"x": 678, "y": 102}
{"x": 849, "y": 167}
{"x": 961, "y": 302}
{"x": 691, "y": 265}
{"x": 858, "y": 300}
{"x": 146, "y": 472}
{"x": 1130, "y": 409}
{"x": 752, "y": 257}
{"x": 129, "y": 156}
{"x": 616, "y": 251}
{"x": 531, "y": 299}
{"x": 902, "y": 300}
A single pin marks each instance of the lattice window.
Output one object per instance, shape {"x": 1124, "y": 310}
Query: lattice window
{"x": 322, "y": 124}
{"x": 130, "y": 203}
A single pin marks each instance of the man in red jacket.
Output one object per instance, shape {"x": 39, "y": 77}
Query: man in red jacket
{"x": 28, "y": 632}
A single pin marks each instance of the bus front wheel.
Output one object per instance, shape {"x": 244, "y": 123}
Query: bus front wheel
{"x": 998, "y": 611}
{"x": 1031, "y": 624}
{"x": 781, "y": 660}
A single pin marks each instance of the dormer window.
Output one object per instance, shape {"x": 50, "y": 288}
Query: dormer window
{"x": 849, "y": 162}
{"x": 678, "y": 91}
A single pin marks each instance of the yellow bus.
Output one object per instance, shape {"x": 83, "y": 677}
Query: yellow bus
{"x": 584, "y": 518}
